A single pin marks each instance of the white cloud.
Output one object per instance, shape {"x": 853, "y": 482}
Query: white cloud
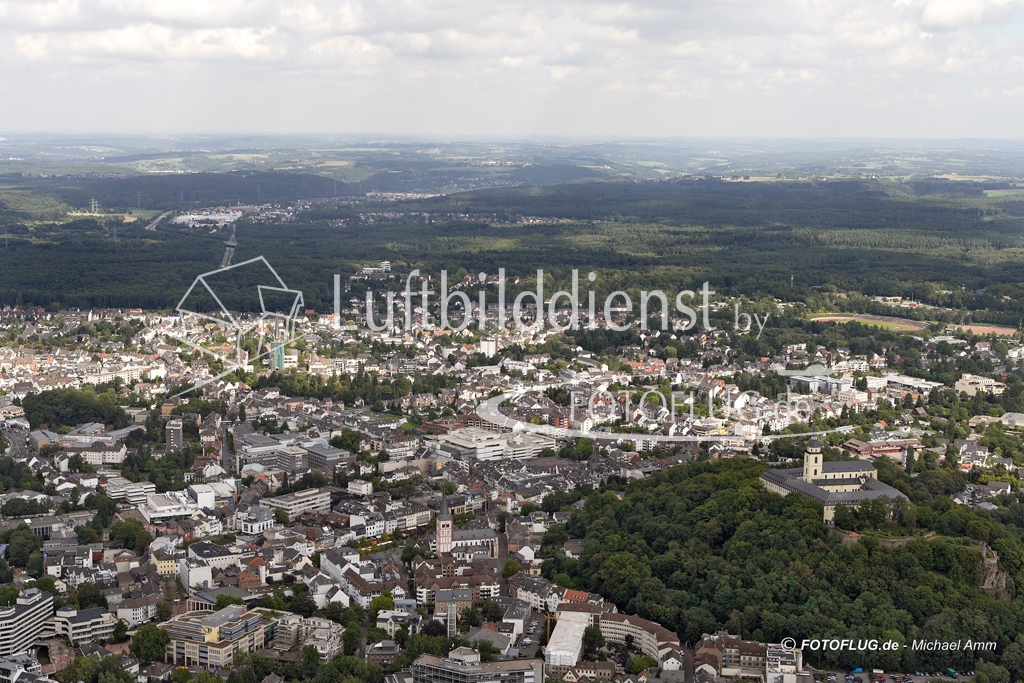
{"x": 877, "y": 66}
{"x": 953, "y": 14}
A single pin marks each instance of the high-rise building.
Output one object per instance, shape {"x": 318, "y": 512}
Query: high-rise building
{"x": 21, "y": 623}
{"x": 276, "y": 357}
{"x": 489, "y": 346}
{"x": 443, "y": 530}
{"x": 175, "y": 435}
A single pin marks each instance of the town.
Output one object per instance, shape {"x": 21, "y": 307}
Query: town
{"x": 400, "y": 497}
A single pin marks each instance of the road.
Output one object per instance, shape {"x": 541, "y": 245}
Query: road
{"x": 16, "y": 439}
{"x": 227, "y": 461}
{"x": 174, "y": 596}
{"x": 152, "y": 224}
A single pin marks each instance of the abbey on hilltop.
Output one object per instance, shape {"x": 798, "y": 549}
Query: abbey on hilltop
{"x": 844, "y": 482}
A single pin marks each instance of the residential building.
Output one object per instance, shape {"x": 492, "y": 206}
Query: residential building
{"x": 174, "y": 431}
{"x": 22, "y": 622}
{"x": 254, "y": 520}
{"x": 359, "y": 487}
{"x": 137, "y": 611}
{"x": 166, "y": 563}
{"x": 383, "y": 652}
{"x": 458, "y": 599}
{"x": 84, "y": 626}
{"x": 732, "y": 656}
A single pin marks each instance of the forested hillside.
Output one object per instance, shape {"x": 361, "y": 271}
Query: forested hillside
{"x": 703, "y": 547}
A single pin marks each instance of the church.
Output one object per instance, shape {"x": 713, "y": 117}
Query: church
{"x": 462, "y": 544}
{"x": 847, "y": 482}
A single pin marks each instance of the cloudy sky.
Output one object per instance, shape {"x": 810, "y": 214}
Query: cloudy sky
{"x": 779, "y": 68}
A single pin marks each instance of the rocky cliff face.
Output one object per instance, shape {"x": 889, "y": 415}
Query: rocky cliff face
{"x": 994, "y": 581}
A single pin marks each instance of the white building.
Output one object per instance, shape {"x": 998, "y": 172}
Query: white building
{"x": 84, "y": 626}
{"x": 310, "y": 500}
{"x": 99, "y": 454}
{"x": 565, "y": 647}
{"x": 474, "y": 443}
{"x": 22, "y": 622}
{"x": 195, "y": 574}
{"x": 203, "y": 495}
{"x": 360, "y": 488}
{"x": 253, "y": 521}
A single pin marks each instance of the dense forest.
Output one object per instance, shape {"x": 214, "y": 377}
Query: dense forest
{"x": 58, "y": 408}
{"x": 703, "y": 547}
{"x": 944, "y": 243}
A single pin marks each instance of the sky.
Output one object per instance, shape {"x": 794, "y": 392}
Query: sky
{"x": 648, "y": 69}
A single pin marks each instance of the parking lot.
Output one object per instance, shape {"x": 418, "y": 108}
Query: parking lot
{"x": 531, "y": 635}
{"x": 905, "y": 677}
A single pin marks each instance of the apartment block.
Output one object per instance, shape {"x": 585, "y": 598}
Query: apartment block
{"x": 22, "y": 622}
{"x": 84, "y": 626}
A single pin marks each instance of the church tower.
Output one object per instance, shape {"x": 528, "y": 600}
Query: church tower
{"x": 443, "y": 531}
{"x": 812, "y": 461}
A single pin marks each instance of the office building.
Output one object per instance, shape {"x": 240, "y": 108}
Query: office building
{"x": 473, "y": 443}
{"x": 310, "y": 500}
{"x": 326, "y": 458}
{"x": 14, "y": 669}
{"x": 291, "y": 459}
{"x": 276, "y": 356}
{"x": 211, "y": 640}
